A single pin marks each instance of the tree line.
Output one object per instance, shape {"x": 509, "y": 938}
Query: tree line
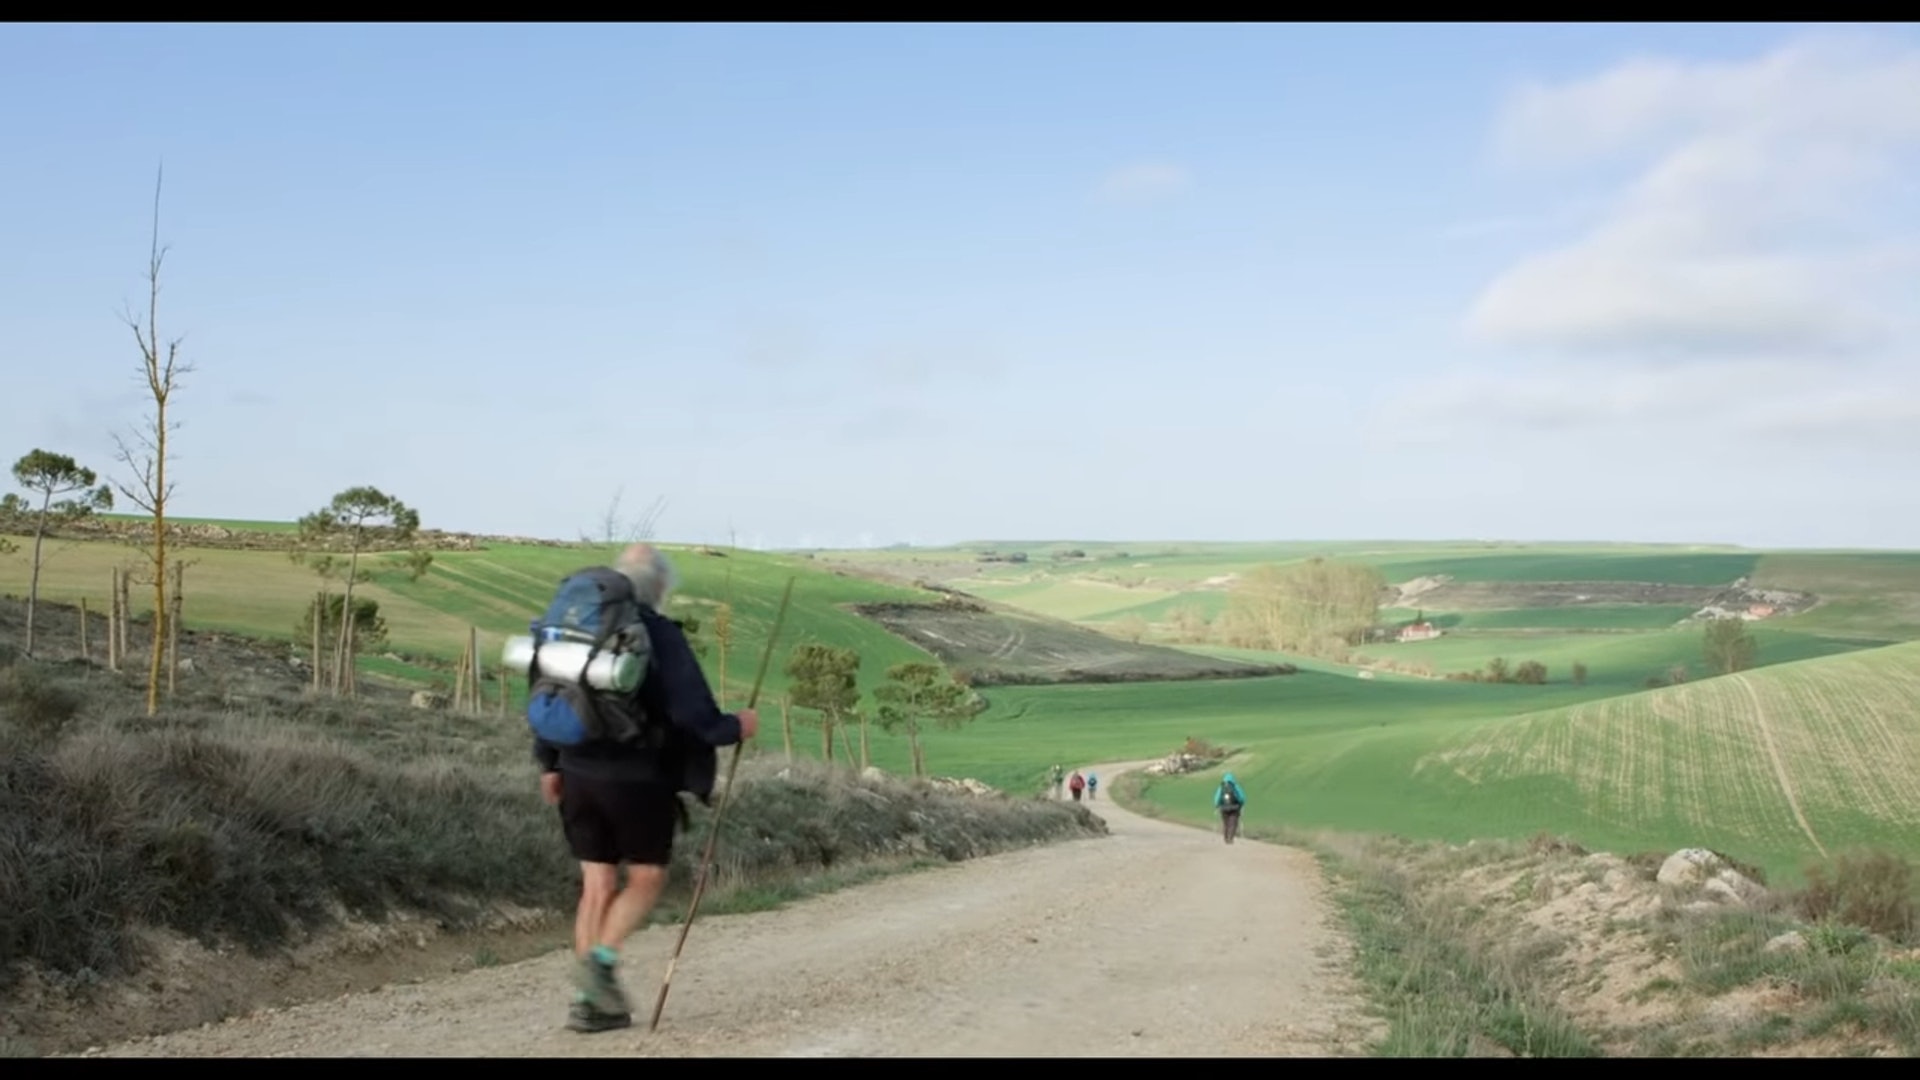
{"x": 1317, "y": 607}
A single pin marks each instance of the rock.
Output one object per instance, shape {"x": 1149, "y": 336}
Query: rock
{"x": 1791, "y": 941}
{"x": 1688, "y": 866}
{"x": 186, "y": 666}
{"x": 872, "y": 772}
{"x": 968, "y": 785}
{"x": 1746, "y": 889}
{"x": 1721, "y": 892}
{"x": 427, "y": 699}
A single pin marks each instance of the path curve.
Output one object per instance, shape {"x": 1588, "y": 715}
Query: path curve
{"x": 1159, "y": 939}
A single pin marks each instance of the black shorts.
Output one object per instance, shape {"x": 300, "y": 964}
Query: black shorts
{"x": 618, "y": 821}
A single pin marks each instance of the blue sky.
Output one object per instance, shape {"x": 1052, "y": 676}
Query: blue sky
{"x": 839, "y": 284}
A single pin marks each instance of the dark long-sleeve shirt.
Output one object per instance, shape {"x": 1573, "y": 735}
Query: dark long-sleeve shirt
{"x": 675, "y": 689}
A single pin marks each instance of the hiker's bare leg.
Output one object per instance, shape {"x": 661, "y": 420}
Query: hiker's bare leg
{"x": 629, "y": 909}
{"x": 598, "y": 882}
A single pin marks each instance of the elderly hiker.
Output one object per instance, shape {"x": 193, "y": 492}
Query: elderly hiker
{"x": 619, "y": 802}
{"x": 1228, "y": 799}
{"x": 1093, "y": 786}
{"x": 1075, "y": 784}
{"x": 1059, "y": 778}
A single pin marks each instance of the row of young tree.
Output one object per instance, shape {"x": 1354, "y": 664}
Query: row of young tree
{"x": 61, "y": 490}
{"x": 824, "y": 680}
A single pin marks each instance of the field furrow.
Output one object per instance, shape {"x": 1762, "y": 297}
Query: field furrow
{"x": 1758, "y": 717}
{"x": 1869, "y": 762}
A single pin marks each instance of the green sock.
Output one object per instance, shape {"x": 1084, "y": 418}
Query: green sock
{"x": 604, "y": 956}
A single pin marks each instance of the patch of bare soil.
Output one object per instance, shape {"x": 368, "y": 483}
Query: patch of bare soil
{"x": 995, "y": 647}
{"x": 233, "y": 670}
{"x": 1504, "y": 595}
{"x": 1156, "y": 940}
{"x": 188, "y": 985}
{"x": 1618, "y": 978}
{"x": 1737, "y": 600}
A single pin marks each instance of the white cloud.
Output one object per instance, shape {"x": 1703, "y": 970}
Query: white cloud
{"x": 1884, "y": 419}
{"x": 1771, "y": 408}
{"x": 1734, "y": 238}
{"x": 1143, "y": 182}
{"x": 1583, "y": 397}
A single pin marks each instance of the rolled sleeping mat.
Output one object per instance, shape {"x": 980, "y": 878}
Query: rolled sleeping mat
{"x": 619, "y": 672}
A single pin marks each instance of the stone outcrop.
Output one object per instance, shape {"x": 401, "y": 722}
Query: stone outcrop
{"x": 1718, "y": 883}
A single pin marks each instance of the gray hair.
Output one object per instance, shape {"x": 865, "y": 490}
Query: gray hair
{"x": 652, "y": 575}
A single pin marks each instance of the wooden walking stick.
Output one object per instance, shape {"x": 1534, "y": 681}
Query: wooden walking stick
{"x": 726, "y": 793}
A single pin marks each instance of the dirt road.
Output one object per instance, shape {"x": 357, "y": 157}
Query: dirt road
{"x": 1157, "y": 940}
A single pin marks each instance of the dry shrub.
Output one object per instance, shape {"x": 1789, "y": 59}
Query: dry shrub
{"x": 1203, "y": 750}
{"x": 1745, "y": 869}
{"x": 35, "y": 707}
{"x": 1647, "y": 863}
{"x": 1545, "y": 843}
{"x": 1870, "y": 889}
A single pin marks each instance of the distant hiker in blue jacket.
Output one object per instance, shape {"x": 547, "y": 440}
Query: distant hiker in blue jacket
{"x": 1228, "y": 799}
{"x": 1093, "y": 785}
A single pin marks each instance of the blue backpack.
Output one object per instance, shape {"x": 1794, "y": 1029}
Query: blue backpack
{"x": 594, "y": 607}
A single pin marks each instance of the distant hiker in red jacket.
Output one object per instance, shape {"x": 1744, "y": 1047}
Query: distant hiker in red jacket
{"x": 1075, "y": 784}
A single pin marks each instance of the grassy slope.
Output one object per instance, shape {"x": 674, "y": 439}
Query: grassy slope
{"x": 261, "y": 594}
{"x": 1681, "y": 766}
{"x": 1873, "y": 597}
{"x": 1620, "y": 660}
{"x": 1868, "y": 595}
{"x": 1336, "y": 750}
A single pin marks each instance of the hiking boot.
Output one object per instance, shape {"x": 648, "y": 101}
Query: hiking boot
{"x": 584, "y": 1017}
{"x": 599, "y": 988}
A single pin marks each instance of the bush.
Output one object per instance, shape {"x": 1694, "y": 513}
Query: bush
{"x": 1203, "y": 750}
{"x": 1545, "y": 843}
{"x": 1870, "y": 889}
{"x": 242, "y": 838}
{"x": 34, "y": 708}
{"x": 243, "y": 831}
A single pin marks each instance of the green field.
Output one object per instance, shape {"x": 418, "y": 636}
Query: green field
{"x": 1710, "y": 763}
{"x": 1615, "y": 659}
{"x": 1326, "y": 749}
{"x": 1610, "y": 762}
{"x": 263, "y": 593}
{"x": 1866, "y": 596}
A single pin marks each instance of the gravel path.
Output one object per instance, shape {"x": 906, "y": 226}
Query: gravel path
{"x": 1157, "y": 940}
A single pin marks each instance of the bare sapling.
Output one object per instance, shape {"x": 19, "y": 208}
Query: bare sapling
{"x": 319, "y": 616}
{"x": 150, "y": 489}
{"x": 113, "y": 623}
